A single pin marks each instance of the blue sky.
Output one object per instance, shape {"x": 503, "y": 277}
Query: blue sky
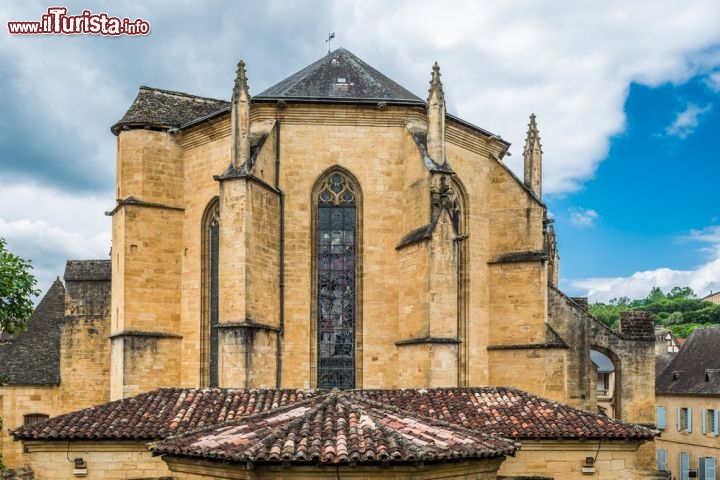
{"x": 626, "y": 96}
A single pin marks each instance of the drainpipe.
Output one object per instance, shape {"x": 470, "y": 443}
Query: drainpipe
{"x": 281, "y": 329}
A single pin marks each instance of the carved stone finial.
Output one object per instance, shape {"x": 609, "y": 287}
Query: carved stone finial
{"x": 436, "y": 118}
{"x": 436, "y": 85}
{"x": 532, "y": 141}
{"x": 532, "y": 156}
{"x": 240, "y": 118}
{"x": 240, "y": 81}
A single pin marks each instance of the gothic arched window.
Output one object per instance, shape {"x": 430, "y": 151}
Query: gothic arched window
{"x": 209, "y": 303}
{"x": 336, "y": 201}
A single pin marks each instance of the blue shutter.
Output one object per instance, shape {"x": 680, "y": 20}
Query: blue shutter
{"x": 684, "y": 466}
{"x": 661, "y": 417}
{"x": 710, "y": 468}
{"x": 679, "y": 419}
{"x": 714, "y": 426}
{"x": 662, "y": 459}
{"x": 689, "y": 420}
{"x": 704, "y": 421}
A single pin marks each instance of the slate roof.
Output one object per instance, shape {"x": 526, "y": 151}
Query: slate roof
{"x": 336, "y": 427}
{"x": 695, "y": 368}
{"x": 340, "y": 76}
{"x": 164, "y": 109}
{"x": 500, "y": 411}
{"x": 33, "y": 357}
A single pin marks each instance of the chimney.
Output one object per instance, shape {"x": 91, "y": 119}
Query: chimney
{"x": 637, "y": 326}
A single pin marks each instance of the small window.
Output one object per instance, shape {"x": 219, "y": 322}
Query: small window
{"x": 661, "y": 418}
{"x": 684, "y": 420}
{"x": 31, "y": 418}
{"x": 711, "y": 420}
{"x": 684, "y": 466}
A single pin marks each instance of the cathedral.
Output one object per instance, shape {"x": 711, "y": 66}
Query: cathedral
{"x": 333, "y": 233}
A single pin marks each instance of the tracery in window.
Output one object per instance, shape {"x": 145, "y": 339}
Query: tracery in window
{"x": 210, "y": 284}
{"x": 336, "y": 281}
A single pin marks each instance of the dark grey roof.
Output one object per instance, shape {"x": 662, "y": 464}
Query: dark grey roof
{"x": 163, "y": 109}
{"x": 603, "y": 363}
{"x": 339, "y": 76}
{"x": 695, "y": 369}
{"x": 33, "y": 357}
{"x": 85, "y": 270}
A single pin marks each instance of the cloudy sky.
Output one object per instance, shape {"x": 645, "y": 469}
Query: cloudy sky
{"x": 627, "y": 96}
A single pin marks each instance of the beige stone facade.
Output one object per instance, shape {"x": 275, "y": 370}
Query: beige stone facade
{"x": 217, "y": 257}
{"x": 687, "y": 430}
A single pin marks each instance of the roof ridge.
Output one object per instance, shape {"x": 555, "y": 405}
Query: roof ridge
{"x": 175, "y": 93}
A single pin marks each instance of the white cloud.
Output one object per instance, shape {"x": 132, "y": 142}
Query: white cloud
{"x": 713, "y": 81}
{"x": 687, "y": 121}
{"x": 702, "y": 279}
{"x": 52, "y": 227}
{"x": 582, "y": 218}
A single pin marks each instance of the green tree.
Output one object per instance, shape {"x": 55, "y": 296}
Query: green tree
{"x": 17, "y": 287}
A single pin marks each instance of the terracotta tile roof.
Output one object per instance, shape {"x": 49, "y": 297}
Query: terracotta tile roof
{"x": 500, "y": 411}
{"x": 510, "y": 413}
{"x": 160, "y": 413}
{"x": 336, "y": 427}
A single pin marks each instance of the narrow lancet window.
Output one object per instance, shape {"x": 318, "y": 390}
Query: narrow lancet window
{"x": 336, "y": 281}
{"x": 210, "y": 284}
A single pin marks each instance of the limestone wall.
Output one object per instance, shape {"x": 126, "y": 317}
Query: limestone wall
{"x": 105, "y": 460}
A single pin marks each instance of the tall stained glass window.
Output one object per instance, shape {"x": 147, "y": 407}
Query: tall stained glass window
{"x": 336, "y": 281}
{"x": 210, "y": 285}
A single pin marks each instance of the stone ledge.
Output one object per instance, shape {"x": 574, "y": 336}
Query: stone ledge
{"x": 426, "y": 340}
{"x": 138, "y": 333}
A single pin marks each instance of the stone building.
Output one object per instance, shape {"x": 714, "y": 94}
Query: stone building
{"x": 337, "y": 231}
{"x": 688, "y": 408}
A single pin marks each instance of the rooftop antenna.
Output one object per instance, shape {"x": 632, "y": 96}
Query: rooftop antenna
{"x": 330, "y": 37}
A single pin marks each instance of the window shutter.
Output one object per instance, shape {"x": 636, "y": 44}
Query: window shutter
{"x": 710, "y": 468}
{"x": 662, "y": 459}
{"x": 703, "y": 420}
{"x": 679, "y": 419}
{"x": 684, "y": 466}
{"x": 689, "y": 419}
{"x": 715, "y": 429}
{"x": 661, "y": 417}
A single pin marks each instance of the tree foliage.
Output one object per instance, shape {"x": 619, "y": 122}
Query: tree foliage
{"x": 17, "y": 288}
{"x": 679, "y": 309}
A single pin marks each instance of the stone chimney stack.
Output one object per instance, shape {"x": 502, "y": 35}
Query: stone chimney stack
{"x": 436, "y": 118}
{"x": 240, "y": 118}
{"x": 532, "y": 155}
{"x": 637, "y": 326}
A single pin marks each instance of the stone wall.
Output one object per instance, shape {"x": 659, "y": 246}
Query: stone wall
{"x": 104, "y": 460}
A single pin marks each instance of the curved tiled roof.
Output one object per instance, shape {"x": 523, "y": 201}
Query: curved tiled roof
{"x": 500, "y": 411}
{"x": 336, "y": 428}
{"x": 165, "y": 109}
{"x": 510, "y": 413}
